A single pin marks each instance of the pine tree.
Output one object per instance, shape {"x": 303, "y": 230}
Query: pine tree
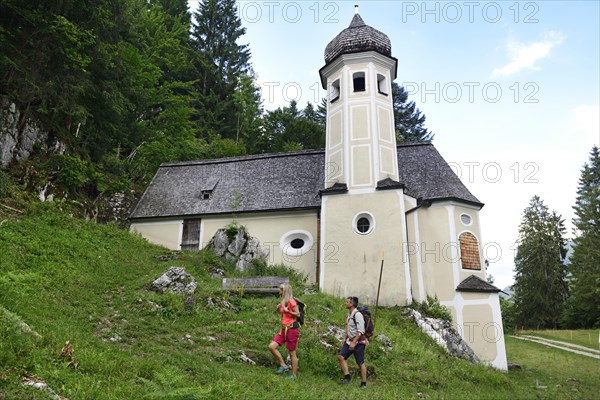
{"x": 540, "y": 286}
{"x": 408, "y": 120}
{"x": 291, "y": 129}
{"x": 223, "y": 67}
{"x": 583, "y": 309}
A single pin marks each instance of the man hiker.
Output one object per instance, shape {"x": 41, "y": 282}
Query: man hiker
{"x": 354, "y": 342}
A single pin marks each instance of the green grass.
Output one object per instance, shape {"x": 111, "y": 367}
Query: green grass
{"x": 71, "y": 280}
{"x": 581, "y": 337}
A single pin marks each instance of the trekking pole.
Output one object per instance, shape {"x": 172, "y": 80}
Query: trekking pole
{"x": 378, "y": 289}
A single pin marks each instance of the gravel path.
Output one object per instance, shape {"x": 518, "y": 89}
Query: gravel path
{"x": 574, "y": 348}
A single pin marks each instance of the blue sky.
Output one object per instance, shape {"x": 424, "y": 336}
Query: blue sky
{"x": 511, "y": 89}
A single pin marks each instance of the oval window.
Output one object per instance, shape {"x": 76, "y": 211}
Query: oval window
{"x": 296, "y": 243}
{"x": 465, "y": 219}
{"x": 363, "y": 223}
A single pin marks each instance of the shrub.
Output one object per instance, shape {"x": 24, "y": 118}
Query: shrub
{"x": 432, "y": 308}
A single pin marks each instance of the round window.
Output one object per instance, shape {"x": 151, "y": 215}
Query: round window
{"x": 465, "y": 219}
{"x": 363, "y": 223}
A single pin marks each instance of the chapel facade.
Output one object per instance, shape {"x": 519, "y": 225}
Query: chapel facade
{"x": 366, "y": 215}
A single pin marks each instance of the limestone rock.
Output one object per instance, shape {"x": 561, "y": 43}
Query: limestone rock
{"x": 239, "y": 242}
{"x": 246, "y": 359}
{"x": 445, "y": 335}
{"x": 17, "y": 142}
{"x": 385, "y": 340}
{"x": 220, "y": 242}
{"x": 242, "y": 250}
{"x": 175, "y": 280}
{"x": 220, "y": 304}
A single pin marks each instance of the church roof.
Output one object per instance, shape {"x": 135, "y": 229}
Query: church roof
{"x": 281, "y": 182}
{"x": 358, "y": 37}
{"x": 476, "y": 284}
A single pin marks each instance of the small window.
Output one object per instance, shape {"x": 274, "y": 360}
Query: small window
{"x": 297, "y": 243}
{"x": 363, "y": 223}
{"x": 382, "y": 86}
{"x": 465, "y": 219}
{"x": 469, "y": 251}
{"x": 334, "y": 91}
{"x": 358, "y": 78}
{"x": 206, "y": 194}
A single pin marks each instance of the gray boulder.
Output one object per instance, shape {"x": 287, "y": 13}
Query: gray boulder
{"x": 242, "y": 250}
{"x": 442, "y": 332}
{"x": 220, "y": 242}
{"x": 174, "y": 280}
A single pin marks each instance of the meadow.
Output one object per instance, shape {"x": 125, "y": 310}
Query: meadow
{"x": 88, "y": 284}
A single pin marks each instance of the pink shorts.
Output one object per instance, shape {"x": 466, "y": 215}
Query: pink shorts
{"x": 290, "y": 339}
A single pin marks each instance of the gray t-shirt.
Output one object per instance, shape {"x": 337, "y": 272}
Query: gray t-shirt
{"x": 356, "y": 323}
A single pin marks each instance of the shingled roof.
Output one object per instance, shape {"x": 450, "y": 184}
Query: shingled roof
{"x": 476, "y": 284}
{"x": 356, "y": 38}
{"x": 281, "y": 182}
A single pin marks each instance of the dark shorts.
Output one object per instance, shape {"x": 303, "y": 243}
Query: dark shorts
{"x": 359, "y": 352}
{"x": 290, "y": 338}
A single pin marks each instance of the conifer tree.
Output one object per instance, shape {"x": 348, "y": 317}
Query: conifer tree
{"x": 540, "y": 287}
{"x": 583, "y": 309}
{"x": 223, "y": 68}
{"x": 408, "y": 120}
{"x": 291, "y": 129}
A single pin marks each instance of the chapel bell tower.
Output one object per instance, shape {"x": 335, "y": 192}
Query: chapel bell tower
{"x": 358, "y": 74}
{"x": 362, "y": 202}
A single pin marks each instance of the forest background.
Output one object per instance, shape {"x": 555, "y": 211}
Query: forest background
{"x": 117, "y": 88}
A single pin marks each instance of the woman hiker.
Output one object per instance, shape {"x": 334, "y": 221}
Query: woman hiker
{"x": 289, "y": 332}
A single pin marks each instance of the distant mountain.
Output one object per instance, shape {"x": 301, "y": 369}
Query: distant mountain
{"x": 569, "y": 252}
{"x": 507, "y": 293}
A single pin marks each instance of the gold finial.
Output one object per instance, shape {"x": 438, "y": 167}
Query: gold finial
{"x": 356, "y": 7}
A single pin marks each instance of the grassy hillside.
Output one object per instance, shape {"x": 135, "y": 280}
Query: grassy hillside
{"x": 75, "y": 281}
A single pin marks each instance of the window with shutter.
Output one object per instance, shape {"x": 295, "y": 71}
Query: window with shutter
{"x": 469, "y": 251}
{"x": 190, "y": 239}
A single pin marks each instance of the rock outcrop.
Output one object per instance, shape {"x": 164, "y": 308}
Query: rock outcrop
{"x": 238, "y": 247}
{"x": 175, "y": 280}
{"x": 17, "y": 138}
{"x": 445, "y": 335}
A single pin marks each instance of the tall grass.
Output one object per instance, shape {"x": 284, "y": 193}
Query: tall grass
{"x": 71, "y": 280}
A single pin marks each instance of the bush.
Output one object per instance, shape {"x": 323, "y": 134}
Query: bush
{"x": 508, "y": 314}
{"x": 432, "y": 308}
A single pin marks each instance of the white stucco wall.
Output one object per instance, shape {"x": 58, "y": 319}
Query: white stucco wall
{"x": 165, "y": 233}
{"x": 269, "y": 228}
{"x": 351, "y": 262}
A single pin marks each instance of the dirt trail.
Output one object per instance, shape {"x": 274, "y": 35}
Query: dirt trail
{"x": 574, "y": 348}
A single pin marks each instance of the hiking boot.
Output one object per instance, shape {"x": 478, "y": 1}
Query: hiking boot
{"x": 344, "y": 381}
{"x": 290, "y": 377}
{"x": 282, "y": 370}
{"x": 363, "y": 385}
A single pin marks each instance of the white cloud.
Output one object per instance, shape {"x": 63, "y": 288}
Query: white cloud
{"x": 587, "y": 120}
{"x": 524, "y": 56}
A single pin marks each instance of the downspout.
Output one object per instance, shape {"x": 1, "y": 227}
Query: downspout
{"x": 318, "y": 260}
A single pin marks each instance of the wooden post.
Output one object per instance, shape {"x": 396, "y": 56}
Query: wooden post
{"x": 378, "y": 289}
